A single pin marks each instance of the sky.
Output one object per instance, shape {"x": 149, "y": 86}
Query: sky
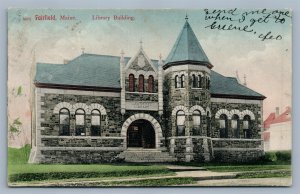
{"x": 267, "y": 64}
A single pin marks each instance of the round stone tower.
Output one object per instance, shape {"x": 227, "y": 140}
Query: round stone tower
{"x": 187, "y": 98}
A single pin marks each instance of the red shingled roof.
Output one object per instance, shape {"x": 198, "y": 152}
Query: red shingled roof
{"x": 284, "y": 117}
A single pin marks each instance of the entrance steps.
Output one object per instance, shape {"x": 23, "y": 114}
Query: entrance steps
{"x": 146, "y": 155}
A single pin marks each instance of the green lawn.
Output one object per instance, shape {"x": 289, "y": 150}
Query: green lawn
{"x": 238, "y": 168}
{"x": 19, "y": 170}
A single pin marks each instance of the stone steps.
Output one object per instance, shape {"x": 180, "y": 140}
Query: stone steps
{"x": 146, "y": 155}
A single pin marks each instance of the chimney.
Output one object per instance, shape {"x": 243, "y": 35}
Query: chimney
{"x": 277, "y": 112}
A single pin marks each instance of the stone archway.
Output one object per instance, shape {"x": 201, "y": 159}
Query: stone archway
{"x": 141, "y": 116}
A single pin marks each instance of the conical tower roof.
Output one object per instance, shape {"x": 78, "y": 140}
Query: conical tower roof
{"x": 187, "y": 49}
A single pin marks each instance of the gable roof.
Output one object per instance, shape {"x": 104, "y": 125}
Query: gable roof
{"x": 283, "y": 117}
{"x": 222, "y": 86}
{"x": 269, "y": 120}
{"x": 142, "y": 52}
{"x": 187, "y": 48}
{"x": 92, "y": 71}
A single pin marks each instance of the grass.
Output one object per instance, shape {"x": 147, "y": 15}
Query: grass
{"x": 240, "y": 168}
{"x": 18, "y": 155}
{"x": 57, "y": 172}
{"x": 150, "y": 182}
{"x": 19, "y": 170}
{"x": 264, "y": 174}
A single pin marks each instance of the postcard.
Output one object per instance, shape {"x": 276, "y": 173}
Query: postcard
{"x": 149, "y": 98}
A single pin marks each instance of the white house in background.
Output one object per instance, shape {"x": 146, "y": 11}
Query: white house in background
{"x": 278, "y": 131}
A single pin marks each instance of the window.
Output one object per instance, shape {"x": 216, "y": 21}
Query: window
{"x": 64, "y": 122}
{"x": 150, "y": 83}
{"x": 131, "y": 83}
{"x": 208, "y": 124}
{"x": 80, "y": 122}
{"x": 246, "y": 126}
{"x": 177, "y": 83}
{"x": 96, "y": 123}
{"x": 223, "y": 126}
{"x": 199, "y": 81}
{"x": 141, "y": 83}
{"x": 235, "y": 125}
{"x": 196, "y": 122}
{"x": 180, "y": 121}
{"x": 182, "y": 81}
{"x": 208, "y": 83}
{"x": 194, "y": 81}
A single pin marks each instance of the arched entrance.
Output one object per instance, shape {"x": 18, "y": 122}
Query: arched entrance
{"x": 146, "y": 117}
{"x": 140, "y": 134}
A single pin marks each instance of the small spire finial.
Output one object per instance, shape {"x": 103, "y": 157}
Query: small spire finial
{"x": 186, "y": 17}
{"x": 160, "y": 56}
{"x": 122, "y": 53}
{"x": 141, "y": 44}
{"x": 82, "y": 50}
{"x": 245, "y": 80}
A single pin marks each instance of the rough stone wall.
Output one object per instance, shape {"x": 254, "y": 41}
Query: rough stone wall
{"x": 79, "y": 156}
{"x": 235, "y": 156}
{"x": 255, "y": 125}
{"x": 110, "y": 126}
{"x": 237, "y": 150}
{"x": 141, "y": 97}
{"x": 81, "y": 142}
{"x": 187, "y": 97}
{"x": 236, "y": 143}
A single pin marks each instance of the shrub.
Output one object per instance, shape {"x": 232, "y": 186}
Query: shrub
{"x": 284, "y": 156}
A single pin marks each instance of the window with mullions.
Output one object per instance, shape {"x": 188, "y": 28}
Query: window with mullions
{"x": 199, "y": 81}
{"x": 180, "y": 122}
{"x": 64, "y": 122}
{"x": 194, "y": 81}
{"x": 96, "y": 123}
{"x": 80, "y": 122}
{"x": 235, "y": 126}
{"x": 196, "y": 122}
{"x": 223, "y": 121}
{"x": 246, "y": 127}
{"x": 182, "y": 81}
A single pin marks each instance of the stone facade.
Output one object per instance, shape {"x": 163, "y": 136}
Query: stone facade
{"x": 165, "y": 109}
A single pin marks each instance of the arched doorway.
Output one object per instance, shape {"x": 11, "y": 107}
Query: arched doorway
{"x": 141, "y": 134}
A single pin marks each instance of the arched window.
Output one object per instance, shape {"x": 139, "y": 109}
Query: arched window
{"x": 235, "y": 125}
{"x": 194, "y": 81}
{"x": 80, "y": 122}
{"x": 223, "y": 126}
{"x": 208, "y": 124}
{"x": 246, "y": 126}
{"x": 199, "y": 81}
{"x": 64, "y": 122}
{"x": 208, "y": 83}
{"x": 180, "y": 122}
{"x": 141, "y": 83}
{"x": 182, "y": 84}
{"x": 150, "y": 83}
{"x": 96, "y": 123}
{"x": 196, "y": 122}
{"x": 131, "y": 83}
{"x": 177, "y": 83}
